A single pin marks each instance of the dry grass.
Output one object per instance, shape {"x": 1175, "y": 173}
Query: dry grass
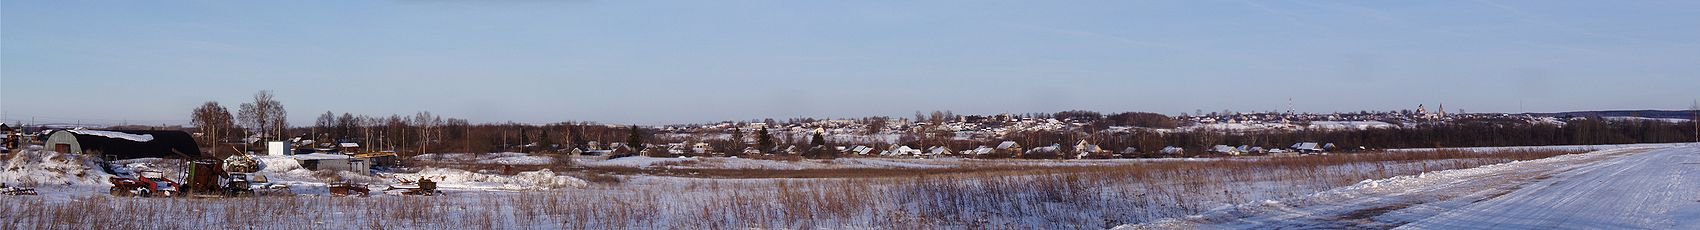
{"x": 992, "y": 197}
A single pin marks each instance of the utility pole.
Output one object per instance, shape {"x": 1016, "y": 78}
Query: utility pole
{"x": 1695, "y": 109}
{"x": 1289, "y": 105}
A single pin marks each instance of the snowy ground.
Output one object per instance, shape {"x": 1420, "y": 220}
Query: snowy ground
{"x": 1554, "y": 147}
{"x": 850, "y": 163}
{"x": 1204, "y": 192}
{"x": 1646, "y": 187}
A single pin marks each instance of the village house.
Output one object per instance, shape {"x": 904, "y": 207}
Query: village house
{"x": 1307, "y": 147}
{"x": 8, "y": 138}
{"x": 861, "y": 150}
{"x": 1172, "y": 151}
{"x": 903, "y": 151}
{"x": 939, "y": 151}
{"x": 1085, "y": 150}
{"x": 1010, "y": 147}
{"x": 1225, "y": 149}
{"x": 1047, "y": 150}
{"x": 700, "y": 148}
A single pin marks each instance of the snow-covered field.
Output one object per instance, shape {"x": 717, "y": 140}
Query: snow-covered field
{"x": 1337, "y": 191}
{"x": 507, "y": 158}
{"x": 1629, "y": 187}
{"x": 853, "y": 163}
{"x": 1552, "y": 147}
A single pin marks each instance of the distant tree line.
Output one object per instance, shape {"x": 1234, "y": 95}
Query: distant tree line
{"x": 1148, "y": 133}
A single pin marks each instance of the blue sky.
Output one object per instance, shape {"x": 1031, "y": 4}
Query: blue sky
{"x": 658, "y": 62}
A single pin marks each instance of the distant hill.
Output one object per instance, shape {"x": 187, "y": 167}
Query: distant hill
{"x": 1680, "y": 114}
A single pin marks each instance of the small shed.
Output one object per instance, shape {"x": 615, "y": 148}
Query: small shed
{"x": 125, "y": 144}
{"x": 339, "y": 162}
{"x": 348, "y": 147}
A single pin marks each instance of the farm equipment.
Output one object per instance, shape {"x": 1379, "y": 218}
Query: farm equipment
{"x": 148, "y": 184}
{"x": 346, "y": 188}
{"x": 205, "y": 178}
{"x": 424, "y": 187}
{"x": 264, "y": 186}
{"x": 15, "y": 191}
{"x": 233, "y": 176}
{"x": 237, "y": 184}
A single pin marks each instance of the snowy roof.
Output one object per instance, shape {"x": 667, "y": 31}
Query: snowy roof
{"x": 1006, "y": 144}
{"x": 1306, "y": 146}
{"x": 349, "y": 145}
{"x": 320, "y": 156}
{"x": 115, "y": 134}
{"x": 1052, "y": 148}
{"x": 1093, "y": 148}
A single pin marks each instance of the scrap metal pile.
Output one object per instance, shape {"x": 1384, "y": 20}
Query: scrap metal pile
{"x": 147, "y": 184}
{"x": 423, "y": 187}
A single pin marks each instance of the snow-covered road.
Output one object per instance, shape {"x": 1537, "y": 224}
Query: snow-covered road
{"x": 1659, "y": 189}
{"x": 1628, "y": 188}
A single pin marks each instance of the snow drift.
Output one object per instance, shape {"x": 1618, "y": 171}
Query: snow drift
{"x": 527, "y": 181}
{"x": 35, "y": 167}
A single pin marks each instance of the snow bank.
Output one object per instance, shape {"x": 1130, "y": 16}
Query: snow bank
{"x": 37, "y": 168}
{"x": 526, "y": 181}
{"x": 885, "y": 163}
{"x": 112, "y": 134}
{"x": 505, "y": 158}
{"x": 640, "y": 161}
{"x": 286, "y": 170}
{"x": 519, "y": 160}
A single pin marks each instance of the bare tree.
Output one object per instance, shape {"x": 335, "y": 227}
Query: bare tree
{"x": 325, "y": 123}
{"x": 265, "y": 115}
{"x": 214, "y": 122}
{"x": 427, "y": 125}
{"x": 345, "y": 127}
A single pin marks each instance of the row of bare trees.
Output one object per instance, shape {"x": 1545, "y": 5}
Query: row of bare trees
{"x": 265, "y": 118}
